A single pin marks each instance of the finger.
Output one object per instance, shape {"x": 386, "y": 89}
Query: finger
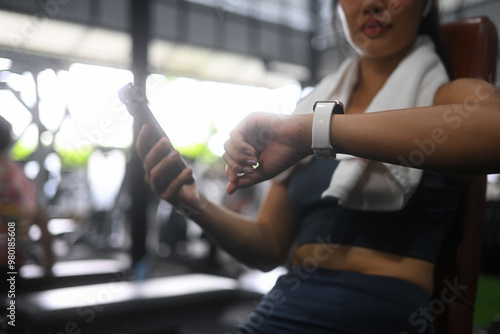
{"x": 231, "y": 175}
{"x": 236, "y": 160}
{"x": 232, "y": 166}
{"x": 234, "y": 156}
{"x": 141, "y": 143}
{"x": 159, "y": 177}
{"x": 243, "y": 181}
{"x": 238, "y": 146}
{"x": 160, "y": 150}
{"x": 176, "y": 185}
{"x": 148, "y": 138}
{"x": 231, "y": 188}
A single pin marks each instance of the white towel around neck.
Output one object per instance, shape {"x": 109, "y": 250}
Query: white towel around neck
{"x": 365, "y": 184}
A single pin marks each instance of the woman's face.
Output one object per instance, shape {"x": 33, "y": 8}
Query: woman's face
{"x": 381, "y": 28}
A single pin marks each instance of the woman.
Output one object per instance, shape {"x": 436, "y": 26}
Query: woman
{"x": 359, "y": 265}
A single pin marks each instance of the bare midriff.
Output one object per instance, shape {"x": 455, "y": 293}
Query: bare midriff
{"x": 366, "y": 261}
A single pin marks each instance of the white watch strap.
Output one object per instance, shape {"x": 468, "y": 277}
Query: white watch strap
{"x": 321, "y": 128}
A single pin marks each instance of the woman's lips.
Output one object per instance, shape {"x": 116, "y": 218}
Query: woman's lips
{"x": 373, "y": 28}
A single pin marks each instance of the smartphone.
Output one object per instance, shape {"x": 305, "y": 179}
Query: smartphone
{"x": 135, "y": 101}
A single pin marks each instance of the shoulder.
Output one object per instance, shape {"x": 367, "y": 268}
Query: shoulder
{"x": 467, "y": 90}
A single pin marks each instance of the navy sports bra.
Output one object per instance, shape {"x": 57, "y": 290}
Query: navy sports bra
{"x": 417, "y": 231}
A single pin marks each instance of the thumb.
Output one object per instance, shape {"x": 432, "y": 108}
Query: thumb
{"x": 231, "y": 188}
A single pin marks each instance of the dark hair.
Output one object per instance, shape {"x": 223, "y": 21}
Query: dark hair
{"x": 5, "y": 134}
{"x": 431, "y": 26}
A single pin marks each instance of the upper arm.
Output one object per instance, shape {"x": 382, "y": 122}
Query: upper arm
{"x": 278, "y": 219}
{"x": 467, "y": 91}
{"x": 477, "y": 97}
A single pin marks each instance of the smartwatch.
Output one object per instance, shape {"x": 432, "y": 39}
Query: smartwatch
{"x": 323, "y": 111}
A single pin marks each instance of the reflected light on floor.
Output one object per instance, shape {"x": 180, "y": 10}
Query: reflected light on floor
{"x": 76, "y": 268}
{"x": 116, "y": 292}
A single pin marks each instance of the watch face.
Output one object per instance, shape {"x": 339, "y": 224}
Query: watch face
{"x": 337, "y": 106}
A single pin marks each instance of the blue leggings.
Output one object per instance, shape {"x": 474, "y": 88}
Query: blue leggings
{"x": 315, "y": 301}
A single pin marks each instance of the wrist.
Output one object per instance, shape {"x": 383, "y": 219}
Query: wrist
{"x": 196, "y": 208}
{"x": 305, "y": 130}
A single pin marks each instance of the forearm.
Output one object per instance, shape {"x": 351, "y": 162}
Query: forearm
{"x": 450, "y": 138}
{"x": 244, "y": 239}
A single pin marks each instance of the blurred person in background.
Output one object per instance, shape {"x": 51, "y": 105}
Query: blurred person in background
{"x": 19, "y": 210}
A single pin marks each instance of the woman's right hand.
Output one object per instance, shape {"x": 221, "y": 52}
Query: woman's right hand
{"x": 157, "y": 160}
{"x": 271, "y": 141}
